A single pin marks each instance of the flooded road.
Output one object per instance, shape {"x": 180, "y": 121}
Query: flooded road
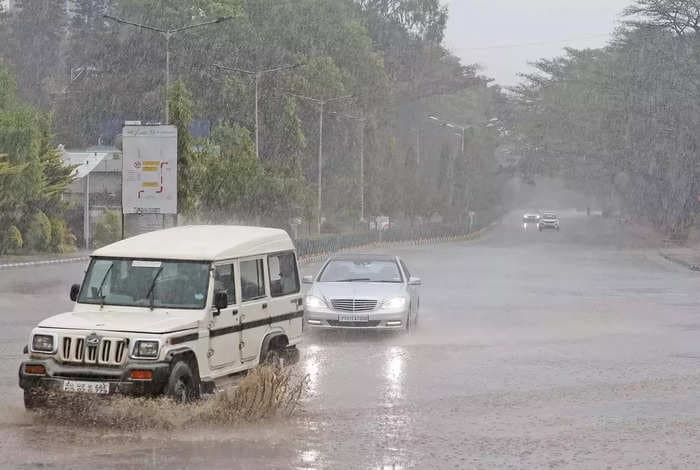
{"x": 533, "y": 350}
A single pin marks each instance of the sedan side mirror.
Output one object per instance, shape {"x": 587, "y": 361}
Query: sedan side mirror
{"x": 308, "y": 280}
{"x": 415, "y": 281}
{"x": 74, "y": 291}
{"x": 220, "y": 301}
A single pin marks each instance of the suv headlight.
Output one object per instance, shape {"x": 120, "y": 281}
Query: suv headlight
{"x": 43, "y": 343}
{"x": 314, "y": 302}
{"x": 146, "y": 349}
{"x": 394, "y": 304}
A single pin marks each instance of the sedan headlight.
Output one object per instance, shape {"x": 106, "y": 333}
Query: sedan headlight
{"x": 43, "y": 343}
{"x": 396, "y": 303}
{"x": 314, "y": 302}
{"x": 146, "y": 349}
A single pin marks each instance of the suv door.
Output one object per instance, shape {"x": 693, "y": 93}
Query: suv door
{"x": 254, "y": 316}
{"x": 223, "y": 330}
{"x": 286, "y": 306}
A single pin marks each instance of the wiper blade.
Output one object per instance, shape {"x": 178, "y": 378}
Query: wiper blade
{"x": 153, "y": 285}
{"x": 360, "y": 279}
{"x": 102, "y": 284}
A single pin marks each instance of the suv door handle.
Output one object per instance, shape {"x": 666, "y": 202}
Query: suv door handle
{"x": 234, "y": 312}
{"x": 264, "y": 306}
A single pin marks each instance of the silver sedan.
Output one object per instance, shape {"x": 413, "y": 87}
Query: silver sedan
{"x": 362, "y": 292}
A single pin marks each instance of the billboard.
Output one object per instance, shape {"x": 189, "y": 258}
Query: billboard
{"x": 149, "y": 170}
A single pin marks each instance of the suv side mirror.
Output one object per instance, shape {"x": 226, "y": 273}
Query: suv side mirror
{"x": 308, "y": 280}
{"x": 220, "y": 301}
{"x": 415, "y": 281}
{"x": 74, "y": 291}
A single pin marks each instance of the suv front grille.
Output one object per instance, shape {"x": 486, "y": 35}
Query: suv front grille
{"x": 108, "y": 352}
{"x": 354, "y": 305}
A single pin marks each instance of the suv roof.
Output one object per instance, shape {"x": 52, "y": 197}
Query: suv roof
{"x": 201, "y": 243}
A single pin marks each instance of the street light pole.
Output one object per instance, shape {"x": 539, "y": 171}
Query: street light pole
{"x": 167, "y": 34}
{"x": 257, "y": 75}
{"x": 322, "y": 104}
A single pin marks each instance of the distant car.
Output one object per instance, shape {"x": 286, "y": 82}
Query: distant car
{"x": 362, "y": 292}
{"x": 530, "y": 219}
{"x": 548, "y": 221}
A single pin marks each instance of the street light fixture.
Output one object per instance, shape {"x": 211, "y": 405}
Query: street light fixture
{"x": 321, "y": 104}
{"x": 256, "y": 74}
{"x": 167, "y": 34}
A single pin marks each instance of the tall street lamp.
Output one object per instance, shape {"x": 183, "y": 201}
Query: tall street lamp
{"x": 361, "y": 120}
{"x": 321, "y": 104}
{"x": 167, "y": 34}
{"x": 256, "y": 76}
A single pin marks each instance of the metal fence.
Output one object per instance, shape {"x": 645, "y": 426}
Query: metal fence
{"x": 428, "y": 232}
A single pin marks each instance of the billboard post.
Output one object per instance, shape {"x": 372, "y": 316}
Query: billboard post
{"x": 149, "y": 173}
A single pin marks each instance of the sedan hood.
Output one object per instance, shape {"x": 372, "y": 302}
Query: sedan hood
{"x": 145, "y": 321}
{"x": 358, "y": 290}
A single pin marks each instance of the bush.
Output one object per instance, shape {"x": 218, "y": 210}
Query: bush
{"x": 11, "y": 240}
{"x": 62, "y": 240}
{"x": 108, "y": 230}
{"x": 38, "y": 237}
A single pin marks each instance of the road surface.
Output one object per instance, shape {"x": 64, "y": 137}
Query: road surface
{"x": 534, "y": 350}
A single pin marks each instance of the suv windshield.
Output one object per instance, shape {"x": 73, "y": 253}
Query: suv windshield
{"x": 361, "y": 271}
{"x": 146, "y": 283}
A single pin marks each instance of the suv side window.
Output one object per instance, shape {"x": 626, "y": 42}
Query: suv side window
{"x": 284, "y": 278}
{"x": 224, "y": 281}
{"x": 252, "y": 280}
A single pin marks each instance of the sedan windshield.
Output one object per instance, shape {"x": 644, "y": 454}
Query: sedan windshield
{"x": 361, "y": 271}
{"x": 146, "y": 283}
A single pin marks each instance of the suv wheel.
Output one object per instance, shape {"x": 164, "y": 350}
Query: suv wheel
{"x": 182, "y": 385}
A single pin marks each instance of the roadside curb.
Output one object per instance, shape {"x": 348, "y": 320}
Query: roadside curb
{"x": 43, "y": 262}
{"x": 679, "y": 261}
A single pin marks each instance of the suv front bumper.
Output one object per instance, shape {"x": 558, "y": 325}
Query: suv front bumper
{"x": 118, "y": 378}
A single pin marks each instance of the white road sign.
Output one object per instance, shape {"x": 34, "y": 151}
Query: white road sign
{"x": 149, "y": 172}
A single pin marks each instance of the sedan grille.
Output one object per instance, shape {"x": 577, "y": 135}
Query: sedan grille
{"x": 354, "y": 305}
{"x": 107, "y": 352}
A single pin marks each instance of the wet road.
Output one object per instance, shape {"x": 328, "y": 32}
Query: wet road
{"x": 534, "y": 350}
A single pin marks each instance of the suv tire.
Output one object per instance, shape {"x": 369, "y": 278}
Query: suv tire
{"x": 183, "y": 386}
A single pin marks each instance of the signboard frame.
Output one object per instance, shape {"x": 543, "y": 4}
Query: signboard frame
{"x": 149, "y": 169}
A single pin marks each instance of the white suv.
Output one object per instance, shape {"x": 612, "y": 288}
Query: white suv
{"x": 170, "y": 312}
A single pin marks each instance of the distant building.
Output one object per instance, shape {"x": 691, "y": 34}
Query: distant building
{"x": 103, "y": 165}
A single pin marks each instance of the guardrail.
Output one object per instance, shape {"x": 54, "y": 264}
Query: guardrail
{"x": 312, "y": 248}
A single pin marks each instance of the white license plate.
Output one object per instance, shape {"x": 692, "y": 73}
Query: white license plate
{"x": 353, "y": 318}
{"x": 85, "y": 387}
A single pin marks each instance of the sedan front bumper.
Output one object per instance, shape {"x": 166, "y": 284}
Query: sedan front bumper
{"x": 330, "y": 319}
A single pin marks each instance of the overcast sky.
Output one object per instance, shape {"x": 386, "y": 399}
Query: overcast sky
{"x": 504, "y": 35}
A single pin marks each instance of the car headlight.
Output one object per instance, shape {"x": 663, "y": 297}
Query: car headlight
{"x": 314, "y": 302}
{"x": 394, "y": 304}
{"x": 146, "y": 349}
{"x": 43, "y": 343}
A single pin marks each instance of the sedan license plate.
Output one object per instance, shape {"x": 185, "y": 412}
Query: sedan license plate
{"x": 101, "y": 388}
{"x": 353, "y": 318}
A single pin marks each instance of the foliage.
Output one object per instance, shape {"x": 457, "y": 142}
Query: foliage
{"x": 62, "y": 240}
{"x": 621, "y": 122}
{"x": 108, "y": 229}
{"x": 11, "y": 240}
{"x": 38, "y": 235}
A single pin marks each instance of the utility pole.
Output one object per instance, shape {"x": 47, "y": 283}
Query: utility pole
{"x": 167, "y": 34}
{"x": 256, "y": 74}
{"x": 321, "y": 104}
{"x": 361, "y": 120}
